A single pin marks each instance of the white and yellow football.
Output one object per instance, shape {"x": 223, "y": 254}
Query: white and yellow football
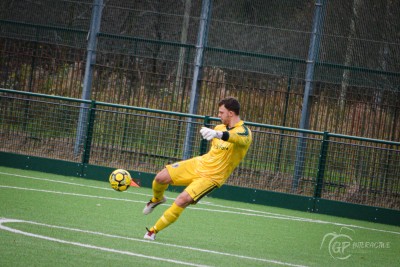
{"x": 120, "y": 180}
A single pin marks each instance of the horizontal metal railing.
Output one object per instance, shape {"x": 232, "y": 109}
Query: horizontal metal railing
{"x": 335, "y": 166}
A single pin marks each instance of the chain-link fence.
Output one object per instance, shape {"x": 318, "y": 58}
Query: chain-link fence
{"x": 258, "y": 51}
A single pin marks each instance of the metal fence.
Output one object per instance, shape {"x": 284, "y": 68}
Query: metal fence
{"x": 144, "y": 53}
{"x": 335, "y": 167}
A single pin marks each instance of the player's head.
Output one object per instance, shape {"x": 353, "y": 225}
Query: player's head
{"x": 231, "y": 104}
{"x": 228, "y": 111}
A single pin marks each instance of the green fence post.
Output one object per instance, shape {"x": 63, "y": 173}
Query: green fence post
{"x": 89, "y": 133}
{"x": 203, "y": 143}
{"x": 321, "y": 166}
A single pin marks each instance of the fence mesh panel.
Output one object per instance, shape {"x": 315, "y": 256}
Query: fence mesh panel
{"x": 138, "y": 140}
{"x": 362, "y": 172}
{"x": 38, "y": 127}
{"x": 146, "y": 50}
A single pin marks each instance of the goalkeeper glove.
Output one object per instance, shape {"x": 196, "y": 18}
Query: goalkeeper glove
{"x": 209, "y": 134}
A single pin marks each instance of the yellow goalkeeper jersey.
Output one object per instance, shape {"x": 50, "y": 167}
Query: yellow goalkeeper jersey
{"x": 225, "y": 154}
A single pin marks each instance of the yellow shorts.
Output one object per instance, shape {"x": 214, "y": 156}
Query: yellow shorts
{"x": 183, "y": 174}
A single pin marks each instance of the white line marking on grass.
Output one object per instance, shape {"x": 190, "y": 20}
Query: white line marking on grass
{"x": 247, "y": 213}
{"x": 249, "y": 210}
{"x": 71, "y": 194}
{"x": 5, "y": 220}
{"x": 299, "y": 219}
{"x": 70, "y": 183}
{"x": 148, "y": 195}
{"x": 56, "y": 181}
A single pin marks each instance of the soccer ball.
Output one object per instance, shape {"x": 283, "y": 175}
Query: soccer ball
{"x": 120, "y": 180}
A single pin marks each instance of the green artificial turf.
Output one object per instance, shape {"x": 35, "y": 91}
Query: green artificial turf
{"x": 69, "y": 221}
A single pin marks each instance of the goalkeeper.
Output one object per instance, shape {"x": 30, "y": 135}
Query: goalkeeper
{"x": 202, "y": 174}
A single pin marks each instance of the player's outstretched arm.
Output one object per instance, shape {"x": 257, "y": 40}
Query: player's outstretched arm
{"x": 241, "y": 135}
{"x": 210, "y": 134}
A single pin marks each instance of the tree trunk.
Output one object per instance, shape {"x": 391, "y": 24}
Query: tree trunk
{"x": 384, "y": 51}
{"x": 182, "y": 51}
{"x": 349, "y": 54}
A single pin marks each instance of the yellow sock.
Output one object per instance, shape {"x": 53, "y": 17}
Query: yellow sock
{"x": 158, "y": 191}
{"x": 169, "y": 217}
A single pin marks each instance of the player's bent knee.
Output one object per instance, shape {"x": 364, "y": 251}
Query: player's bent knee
{"x": 183, "y": 200}
{"x": 163, "y": 177}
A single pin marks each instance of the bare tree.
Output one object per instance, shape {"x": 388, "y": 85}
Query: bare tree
{"x": 182, "y": 50}
{"x": 349, "y": 53}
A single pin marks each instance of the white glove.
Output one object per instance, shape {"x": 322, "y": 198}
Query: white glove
{"x": 209, "y": 134}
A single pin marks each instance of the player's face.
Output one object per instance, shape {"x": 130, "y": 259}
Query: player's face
{"x": 225, "y": 115}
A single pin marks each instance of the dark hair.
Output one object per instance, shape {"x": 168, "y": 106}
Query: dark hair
{"x": 231, "y": 104}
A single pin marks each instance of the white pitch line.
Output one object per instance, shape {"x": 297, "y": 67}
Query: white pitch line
{"x": 55, "y": 181}
{"x": 148, "y": 195}
{"x": 70, "y": 194}
{"x": 300, "y": 220}
{"x": 5, "y": 220}
{"x": 138, "y": 201}
{"x": 247, "y": 213}
{"x": 254, "y": 211}
{"x": 204, "y": 209}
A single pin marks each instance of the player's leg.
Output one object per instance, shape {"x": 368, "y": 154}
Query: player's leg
{"x": 179, "y": 173}
{"x": 160, "y": 184}
{"x": 192, "y": 193}
{"x": 172, "y": 213}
